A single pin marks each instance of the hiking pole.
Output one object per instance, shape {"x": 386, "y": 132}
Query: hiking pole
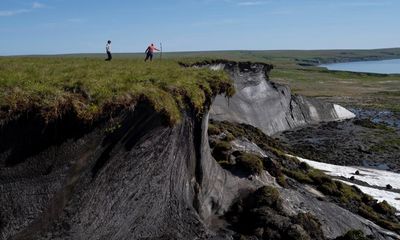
{"x": 160, "y": 51}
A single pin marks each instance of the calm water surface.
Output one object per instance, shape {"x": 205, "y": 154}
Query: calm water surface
{"x": 384, "y": 66}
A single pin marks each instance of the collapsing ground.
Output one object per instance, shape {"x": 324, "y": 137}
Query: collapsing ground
{"x": 135, "y": 162}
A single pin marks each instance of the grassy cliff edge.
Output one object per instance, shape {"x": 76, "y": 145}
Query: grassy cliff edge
{"x": 93, "y": 88}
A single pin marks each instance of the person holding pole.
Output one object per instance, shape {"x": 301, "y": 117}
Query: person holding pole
{"x": 149, "y": 52}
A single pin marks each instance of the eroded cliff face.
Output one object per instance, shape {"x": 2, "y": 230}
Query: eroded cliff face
{"x": 266, "y": 105}
{"x": 127, "y": 182}
{"x": 136, "y": 177}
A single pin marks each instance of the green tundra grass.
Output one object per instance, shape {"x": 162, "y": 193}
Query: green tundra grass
{"x": 89, "y": 85}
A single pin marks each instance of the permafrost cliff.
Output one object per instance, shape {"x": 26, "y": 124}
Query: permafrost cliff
{"x": 148, "y": 180}
{"x": 269, "y": 106}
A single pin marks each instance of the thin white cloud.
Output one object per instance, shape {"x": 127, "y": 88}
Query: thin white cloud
{"x": 10, "y": 13}
{"x": 251, "y": 3}
{"x": 37, "y": 5}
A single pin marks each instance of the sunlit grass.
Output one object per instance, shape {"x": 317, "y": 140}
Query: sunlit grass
{"x": 88, "y": 85}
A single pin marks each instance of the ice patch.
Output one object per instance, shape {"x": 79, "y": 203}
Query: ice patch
{"x": 373, "y": 177}
{"x": 380, "y": 195}
{"x": 217, "y": 67}
{"x": 343, "y": 113}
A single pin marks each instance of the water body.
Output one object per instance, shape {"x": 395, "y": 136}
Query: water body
{"x": 383, "y": 67}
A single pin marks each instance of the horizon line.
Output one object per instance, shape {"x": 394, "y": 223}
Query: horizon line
{"x": 202, "y": 51}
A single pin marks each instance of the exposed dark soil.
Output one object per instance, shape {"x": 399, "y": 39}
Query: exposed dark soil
{"x": 368, "y": 140}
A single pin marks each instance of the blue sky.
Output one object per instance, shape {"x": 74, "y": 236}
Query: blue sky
{"x": 81, "y": 26}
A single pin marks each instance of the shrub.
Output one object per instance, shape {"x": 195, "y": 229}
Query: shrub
{"x": 368, "y": 213}
{"x": 319, "y": 177}
{"x": 275, "y": 169}
{"x": 384, "y": 208}
{"x": 311, "y": 225}
{"x": 353, "y": 235}
{"x": 349, "y": 193}
{"x": 220, "y": 151}
{"x": 267, "y": 196}
{"x": 223, "y": 146}
{"x": 299, "y": 176}
{"x": 329, "y": 188}
{"x": 213, "y": 130}
{"x": 229, "y": 137}
{"x": 304, "y": 166}
{"x": 249, "y": 163}
{"x": 281, "y": 180}
{"x": 296, "y": 232}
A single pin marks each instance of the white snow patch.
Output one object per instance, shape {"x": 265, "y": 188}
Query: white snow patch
{"x": 343, "y": 113}
{"x": 373, "y": 177}
{"x": 217, "y": 67}
{"x": 380, "y": 195}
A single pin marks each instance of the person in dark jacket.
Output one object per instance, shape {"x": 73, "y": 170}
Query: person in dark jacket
{"x": 108, "y": 50}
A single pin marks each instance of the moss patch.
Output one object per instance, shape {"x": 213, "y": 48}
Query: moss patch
{"x": 221, "y": 150}
{"x": 249, "y": 163}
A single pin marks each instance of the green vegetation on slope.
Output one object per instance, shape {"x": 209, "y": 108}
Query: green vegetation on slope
{"x": 91, "y": 87}
{"x": 281, "y": 165}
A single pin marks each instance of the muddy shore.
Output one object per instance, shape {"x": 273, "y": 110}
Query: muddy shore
{"x": 372, "y": 139}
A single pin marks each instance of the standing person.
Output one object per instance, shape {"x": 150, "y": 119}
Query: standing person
{"x": 149, "y": 52}
{"x": 108, "y": 50}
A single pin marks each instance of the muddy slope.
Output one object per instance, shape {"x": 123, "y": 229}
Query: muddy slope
{"x": 266, "y": 105}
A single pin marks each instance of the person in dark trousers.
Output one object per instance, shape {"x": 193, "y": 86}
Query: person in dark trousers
{"x": 108, "y": 50}
{"x": 149, "y": 52}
